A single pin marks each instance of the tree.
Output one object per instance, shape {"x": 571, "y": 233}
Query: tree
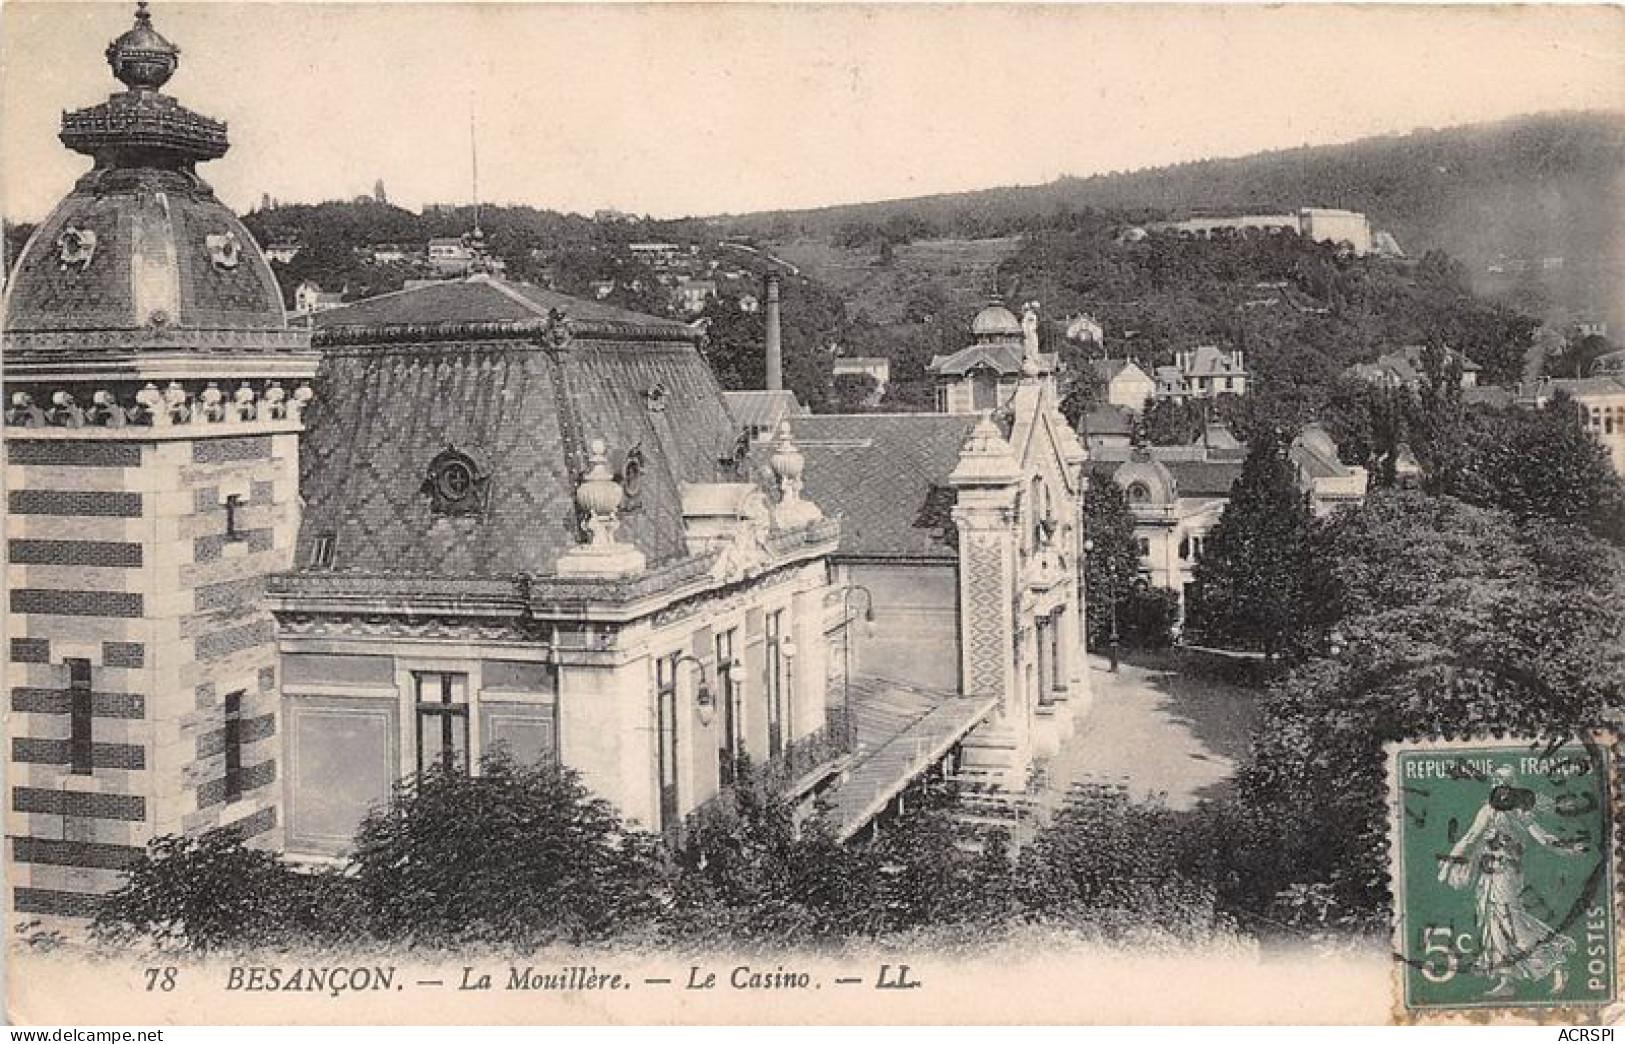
{"x": 521, "y": 855}
{"x": 1449, "y": 621}
{"x": 1146, "y": 616}
{"x": 856, "y": 393}
{"x": 1173, "y": 422}
{"x": 1368, "y": 423}
{"x": 1542, "y": 464}
{"x": 1084, "y": 390}
{"x": 751, "y": 873}
{"x": 213, "y": 890}
{"x": 1112, "y": 561}
{"x": 1257, "y": 575}
{"x": 1437, "y": 420}
{"x": 1105, "y": 862}
{"x": 1577, "y": 355}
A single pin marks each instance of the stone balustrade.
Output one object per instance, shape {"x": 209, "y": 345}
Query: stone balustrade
{"x": 175, "y": 405}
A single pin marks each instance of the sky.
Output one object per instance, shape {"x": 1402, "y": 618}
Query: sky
{"x": 675, "y": 109}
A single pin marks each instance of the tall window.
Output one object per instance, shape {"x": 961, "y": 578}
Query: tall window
{"x": 79, "y": 714}
{"x": 1039, "y": 507}
{"x": 775, "y": 684}
{"x": 666, "y": 737}
{"x": 234, "y": 530}
{"x": 728, "y": 695}
{"x": 442, "y": 721}
{"x": 234, "y": 746}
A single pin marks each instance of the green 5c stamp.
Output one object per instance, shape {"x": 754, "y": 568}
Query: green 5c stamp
{"x": 1502, "y": 872}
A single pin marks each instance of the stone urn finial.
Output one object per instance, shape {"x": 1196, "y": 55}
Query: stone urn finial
{"x": 788, "y": 464}
{"x": 599, "y": 497}
{"x": 598, "y": 503}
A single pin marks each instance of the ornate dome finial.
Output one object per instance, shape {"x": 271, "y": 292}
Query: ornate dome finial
{"x": 141, "y": 59}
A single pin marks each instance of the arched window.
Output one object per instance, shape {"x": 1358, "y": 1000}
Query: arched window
{"x": 1038, "y": 501}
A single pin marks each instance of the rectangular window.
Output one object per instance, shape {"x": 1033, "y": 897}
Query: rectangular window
{"x": 666, "y": 737}
{"x": 234, "y": 502}
{"x": 79, "y": 713}
{"x": 1145, "y": 547}
{"x": 728, "y": 696}
{"x": 775, "y": 684}
{"x": 442, "y": 721}
{"x": 234, "y": 746}
{"x": 321, "y": 555}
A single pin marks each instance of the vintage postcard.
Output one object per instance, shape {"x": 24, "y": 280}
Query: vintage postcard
{"x": 797, "y": 513}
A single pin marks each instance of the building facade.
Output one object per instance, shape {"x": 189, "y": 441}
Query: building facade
{"x": 1177, "y": 494}
{"x": 1127, "y": 385}
{"x": 156, "y": 397}
{"x": 960, "y": 541}
{"x": 522, "y": 522}
{"x": 555, "y": 545}
{"x": 1205, "y": 372}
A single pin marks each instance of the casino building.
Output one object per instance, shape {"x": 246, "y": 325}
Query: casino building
{"x": 257, "y": 573}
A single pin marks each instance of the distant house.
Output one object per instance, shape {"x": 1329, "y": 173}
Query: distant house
{"x": 1600, "y": 399}
{"x": 309, "y": 298}
{"x": 1177, "y": 494}
{"x": 759, "y": 412}
{"x": 601, "y": 288}
{"x": 1203, "y": 373}
{"x": 1591, "y": 328}
{"x": 1347, "y": 229}
{"x": 387, "y": 253}
{"x": 874, "y": 366}
{"x": 1127, "y": 385}
{"x": 282, "y": 251}
{"x": 693, "y": 293}
{"x": 1086, "y": 329}
{"x": 1107, "y": 429}
{"x": 1405, "y": 368}
{"x": 450, "y": 256}
{"x": 984, "y": 376}
{"x": 750, "y": 304}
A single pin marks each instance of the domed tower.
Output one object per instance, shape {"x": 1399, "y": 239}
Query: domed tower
{"x": 154, "y": 396}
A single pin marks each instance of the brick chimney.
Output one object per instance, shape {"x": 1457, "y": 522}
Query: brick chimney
{"x": 775, "y": 353}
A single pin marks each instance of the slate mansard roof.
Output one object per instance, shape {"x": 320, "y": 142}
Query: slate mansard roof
{"x": 886, "y": 476}
{"x": 521, "y": 380}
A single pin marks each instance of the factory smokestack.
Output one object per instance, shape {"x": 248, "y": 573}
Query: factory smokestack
{"x": 775, "y": 352}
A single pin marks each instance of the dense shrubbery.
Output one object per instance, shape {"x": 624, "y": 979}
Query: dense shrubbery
{"x": 210, "y": 891}
{"x": 520, "y": 858}
{"x": 517, "y": 854}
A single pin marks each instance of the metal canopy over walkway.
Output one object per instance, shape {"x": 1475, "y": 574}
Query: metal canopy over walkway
{"x": 902, "y": 730}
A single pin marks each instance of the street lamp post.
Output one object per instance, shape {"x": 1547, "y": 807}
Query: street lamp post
{"x": 1111, "y": 599}
{"x": 846, "y": 646}
{"x": 704, "y": 701}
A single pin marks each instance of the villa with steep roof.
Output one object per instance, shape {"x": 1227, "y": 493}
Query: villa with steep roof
{"x": 1205, "y": 372}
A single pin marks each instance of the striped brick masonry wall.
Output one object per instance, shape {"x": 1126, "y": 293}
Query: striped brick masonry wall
{"x": 137, "y": 551}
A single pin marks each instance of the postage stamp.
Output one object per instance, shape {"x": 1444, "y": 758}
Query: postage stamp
{"x": 1502, "y": 873}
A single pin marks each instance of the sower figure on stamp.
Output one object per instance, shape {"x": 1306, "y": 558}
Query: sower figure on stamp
{"x": 1513, "y": 943}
